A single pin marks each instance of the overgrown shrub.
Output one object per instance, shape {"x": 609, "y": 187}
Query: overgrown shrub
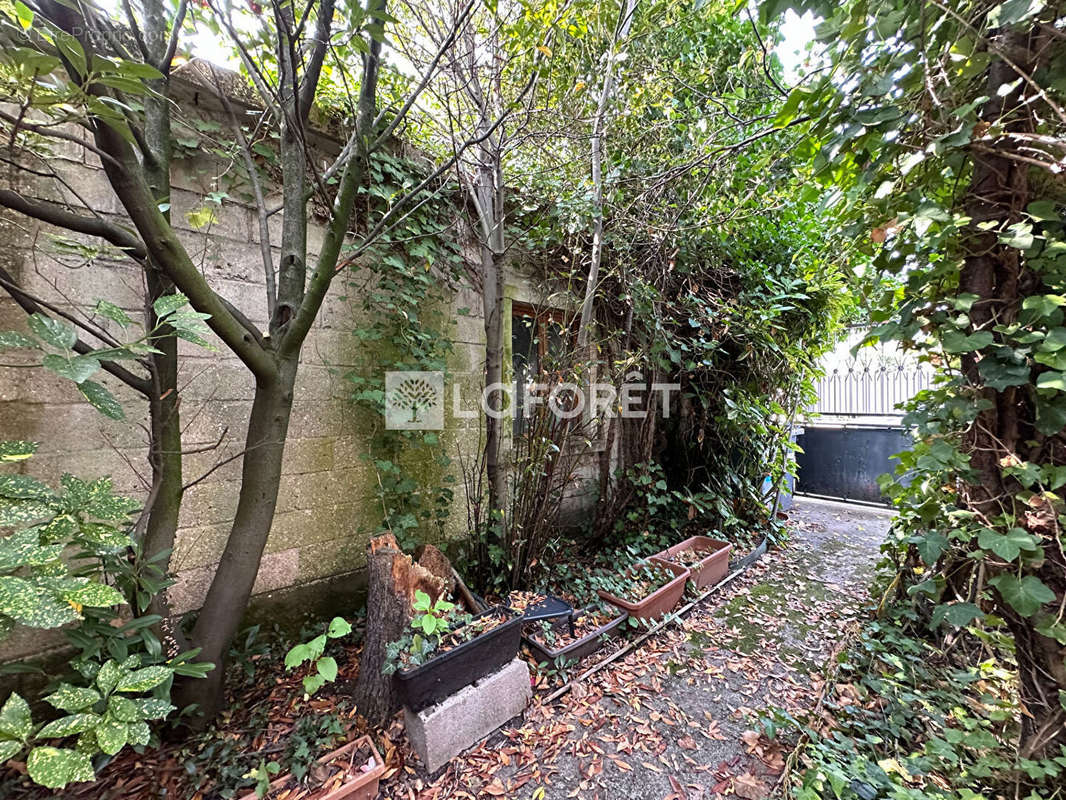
{"x": 69, "y": 561}
{"x": 908, "y": 718}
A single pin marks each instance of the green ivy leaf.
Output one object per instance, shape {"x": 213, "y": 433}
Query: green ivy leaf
{"x": 1043, "y": 211}
{"x": 101, "y": 399}
{"x": 55, "y": 768}
{"x": 16, "y": 722}
{"x": 1050, "y": 414}
{"x": 55, "y": 332}
{"x": 1007, "y": 546}
{"x": 68, "y": 726}
{"x": 1025, "y": 595}
{"x": 13, "y": 339}
{"x": 1043, "y": 305}
{"x": 932, "y": 546}
{"x": 1052, "y": 380}
{"x": 72, "y": 698}
{"x": 958, "y": 614}
{"x": 143, "y": 679}
{"x": 957, "y": 342}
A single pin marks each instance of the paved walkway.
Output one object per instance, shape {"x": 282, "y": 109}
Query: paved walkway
{"x": 674, "y": 718}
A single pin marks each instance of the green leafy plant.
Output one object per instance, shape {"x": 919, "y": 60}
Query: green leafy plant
{"x": 909, "y": 142}
{"x": 54, "y": 339}
{"x": 912, "y": 720}
{"x": 324, "y": 668}
{"x": 104, "y": 717}
{"x": 262, "y": 774}
{"x": 406, "y": 329}
{"x": 433, "y": 617}
{"x": 64, "y": 564}
{"x": 431, "y": 624}
{"x": 310, "y": 736}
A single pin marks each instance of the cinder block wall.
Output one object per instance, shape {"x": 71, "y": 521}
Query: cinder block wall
{"x": 326, "y": 503}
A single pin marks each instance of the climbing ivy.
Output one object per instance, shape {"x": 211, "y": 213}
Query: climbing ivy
{"x": 936, "y": 134}
{"x": 405, "y": 289}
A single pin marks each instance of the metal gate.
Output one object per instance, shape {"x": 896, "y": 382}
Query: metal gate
{"x": 842, "y": 462}
{"x": 851, "y": 433}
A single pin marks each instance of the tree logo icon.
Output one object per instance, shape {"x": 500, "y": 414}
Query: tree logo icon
{"x": 414, "y": 401}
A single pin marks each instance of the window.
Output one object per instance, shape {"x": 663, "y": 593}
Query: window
{"x": 538, "y": 342}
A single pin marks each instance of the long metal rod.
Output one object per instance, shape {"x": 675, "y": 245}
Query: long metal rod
{"x": 665, "y": 623}
{"x": 850, "y": 501}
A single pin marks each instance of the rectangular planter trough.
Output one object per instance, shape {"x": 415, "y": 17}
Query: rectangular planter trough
{"x": 662, "y": 601}
{"x": 444, "y": 675}
{"x": 709, "y": 570}
{"x": 585, "y": 646}
{"x": 363, "y": 786}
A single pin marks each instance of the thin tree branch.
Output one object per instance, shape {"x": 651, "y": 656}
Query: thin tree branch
{"x": 45, "y": 130}
{"x": 257, "y": 191}
{"x": 175, "y": 32}
{"x": 31, "y": 305}
{"x": 55, "y": 214}
{"x": 313, "y": 69}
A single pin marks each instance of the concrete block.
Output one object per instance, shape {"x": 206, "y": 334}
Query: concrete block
{"x": 441, "y": 732}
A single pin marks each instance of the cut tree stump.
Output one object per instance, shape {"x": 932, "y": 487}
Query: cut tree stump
{"x": 392, "y": 581}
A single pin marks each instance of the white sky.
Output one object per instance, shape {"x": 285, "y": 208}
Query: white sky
{"x": 798, "y": 32}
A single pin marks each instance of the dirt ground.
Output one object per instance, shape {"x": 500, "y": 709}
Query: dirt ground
{"x": 675, "y": 718}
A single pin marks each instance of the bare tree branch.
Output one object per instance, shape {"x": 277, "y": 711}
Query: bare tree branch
{"x": 32, "y": 305}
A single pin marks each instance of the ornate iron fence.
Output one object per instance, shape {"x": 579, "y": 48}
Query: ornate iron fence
{"x": 870, "y": 389}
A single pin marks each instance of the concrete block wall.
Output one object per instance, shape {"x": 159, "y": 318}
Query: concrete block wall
{"x": 326, "y": 503}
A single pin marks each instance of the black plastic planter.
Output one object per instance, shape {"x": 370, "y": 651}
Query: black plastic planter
{"x": 444, "y": 675}
{"x": 548, "y": 608}
{"x": 585, "y": 646}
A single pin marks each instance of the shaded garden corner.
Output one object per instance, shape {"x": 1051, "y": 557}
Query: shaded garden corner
{"x": 675, "y": 717}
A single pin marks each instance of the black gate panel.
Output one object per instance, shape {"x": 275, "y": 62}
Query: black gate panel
{"x": 844, "y": 461}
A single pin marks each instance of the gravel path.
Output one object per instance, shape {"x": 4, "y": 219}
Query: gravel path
{"x": 674, "y": 718}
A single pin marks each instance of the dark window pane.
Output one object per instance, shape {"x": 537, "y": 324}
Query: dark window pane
{"x": 524, "y": 362}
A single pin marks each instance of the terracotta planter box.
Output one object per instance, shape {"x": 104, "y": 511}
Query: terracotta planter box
{"x": 363, "y": 786}
{"x": 711, "y": 569}
{"x": 444, "y": 675}
{"x": 662, "y": 601}
{"x": 578, "y": 649}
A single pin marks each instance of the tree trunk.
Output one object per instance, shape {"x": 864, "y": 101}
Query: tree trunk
{"x": 599, "y": 126}
{"x": 999, "y": 192}
{"x": 392, "y": 580}
{"x": 492, "y": 278}
{"x": 163, "y": 405}
{"x": 232, "y": 584}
